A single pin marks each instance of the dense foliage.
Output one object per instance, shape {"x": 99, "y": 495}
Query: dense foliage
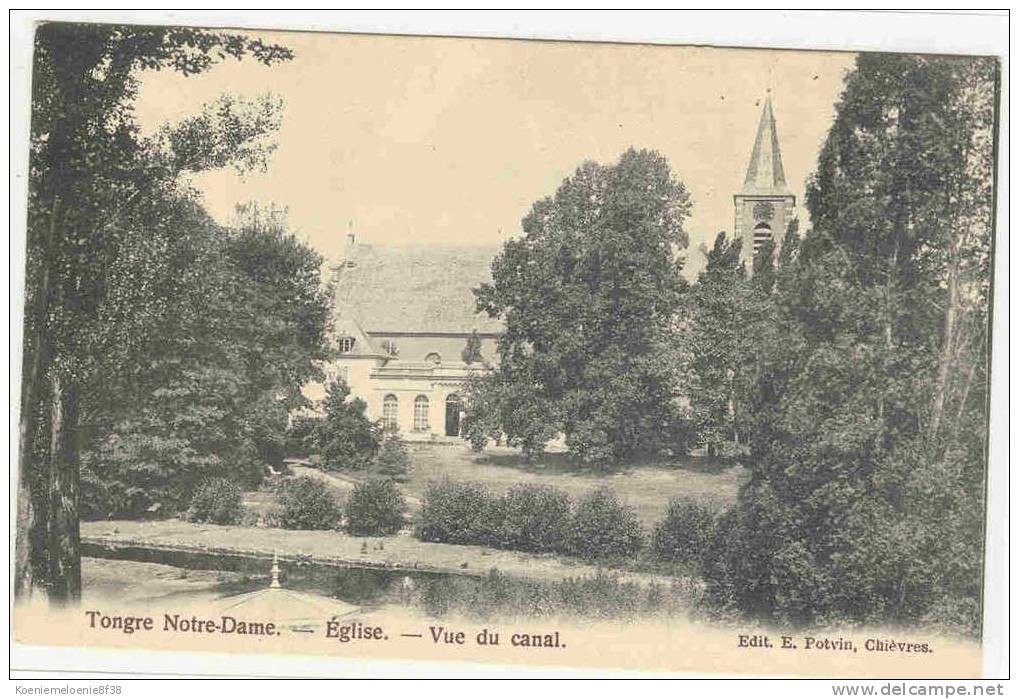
{"x": 868, "y": 414}
{"x": 458, "y": 513}
{"x": 601, "y": 596}
{"x": 248, "y": 331}
{"x": 471, "y": 352}
{"x": 346, "y": 439}
{"x": 726, "y": 316}
{"x": 375, "y": 508}
{"x": 113, "y": 234}
{"x": 307, "y": 503}
{"x": 530, "y": 518}
{"x": 216, "y": 501}
{"x": 588, "y": 296}
{"x": 301, "y": 438}
{"x": 685, "y": 534}
{"x": 393, "y": 461}
{"x": 603, "y": 528}
{"x": 534, "y": 518}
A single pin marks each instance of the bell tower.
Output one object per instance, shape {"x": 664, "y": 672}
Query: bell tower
{"x": 764, "y": 205}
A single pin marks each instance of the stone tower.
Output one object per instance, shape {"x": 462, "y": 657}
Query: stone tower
{"x": 764, "y": 205}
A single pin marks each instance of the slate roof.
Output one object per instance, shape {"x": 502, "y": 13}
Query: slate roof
{"x": 765, "y": 175}
{"x": 412, "y": 289}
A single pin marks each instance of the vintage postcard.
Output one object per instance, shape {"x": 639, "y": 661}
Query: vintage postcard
{"x": 600, "y": 356}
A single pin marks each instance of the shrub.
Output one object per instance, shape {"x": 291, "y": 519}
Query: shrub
{"x": 375, "y": 508}
{"x": 737, "y": 565}
{"x": 346, "y": 438}
{"x": 217, "y": 501}
{"x": 603, "y": 528}
{"x": 393, "y": 461}
{"x": 459, "y": 513}
{"x": 685, "y": 533}
{"x": 306, "y": 503}
{"x": 535, "y": 518}
{"x": 602, "y": 596}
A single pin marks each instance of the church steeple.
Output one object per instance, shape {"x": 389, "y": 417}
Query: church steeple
{"x": 764, "y": 205}
{"x": 764, "y": 173}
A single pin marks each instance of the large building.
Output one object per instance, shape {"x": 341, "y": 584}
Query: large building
{"x": 403, "y": 317}
{"x": 764, "y": 205}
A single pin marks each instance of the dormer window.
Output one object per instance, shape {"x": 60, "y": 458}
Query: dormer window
{"x": 345, "y": 344}
{"x": 390, "y": 348}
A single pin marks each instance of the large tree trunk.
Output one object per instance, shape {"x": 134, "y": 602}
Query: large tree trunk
{"x": 33, "y": 369}
{"x": 25, "y": 520}
{"x": 64, "y": 537}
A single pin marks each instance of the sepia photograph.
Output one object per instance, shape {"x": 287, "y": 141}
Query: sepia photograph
{"x": 582, "y": 354}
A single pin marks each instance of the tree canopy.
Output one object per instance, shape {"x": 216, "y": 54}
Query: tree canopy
{"x": 107, "y": 213}
{"x": 588, "y": 295}
{"x": 868, "y": 411}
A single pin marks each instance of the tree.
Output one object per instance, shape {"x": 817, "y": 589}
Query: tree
{"x": 588, "y": 296}
{"x": 247, "y": 331}
{"x": 277, "y": 322}
{"x": 393, "y": 461}
{"x": 860, "y": 506}
{"x": 347, "y": 439}
{"x": 499, "y": 405}
{"x": 721, "y": 343}
{"x": 729, "y": 315}
{"x": 91, "y": 181}
{"x": 472, "y": 350}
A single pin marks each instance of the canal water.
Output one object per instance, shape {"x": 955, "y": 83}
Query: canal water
{"x": 362, "y": 586}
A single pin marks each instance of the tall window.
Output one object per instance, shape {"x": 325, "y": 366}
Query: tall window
{"x": 421, "y": 413}
{"x": 346, "y": 344}
{"x": 390, "y": 411}
{"x": 390, "y": 348}
{"x": 453, "y": 408}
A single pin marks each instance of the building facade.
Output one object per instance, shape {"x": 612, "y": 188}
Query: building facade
{"x": 403, "y": 320}
{"x": 764, "y": 205}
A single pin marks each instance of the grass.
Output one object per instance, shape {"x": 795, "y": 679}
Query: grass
{"x": 646, "y": 487}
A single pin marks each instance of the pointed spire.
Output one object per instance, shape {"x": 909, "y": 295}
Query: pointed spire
{"x": 765, "y": 174}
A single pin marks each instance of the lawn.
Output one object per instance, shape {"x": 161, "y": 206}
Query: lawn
{"x": 647, "y": 487}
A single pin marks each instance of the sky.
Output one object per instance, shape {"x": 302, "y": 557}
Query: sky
{"x": 423, "y": 140}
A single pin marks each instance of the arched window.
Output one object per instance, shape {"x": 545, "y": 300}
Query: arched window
{"x": 345, "y": 344}
{"x": 390, "y": 412}
{"x": 421, "y": 413}
{"x": 762, "y": 234}
{"x": 433, "y": 358}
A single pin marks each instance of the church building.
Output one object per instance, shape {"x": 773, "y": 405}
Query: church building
{"x": 403, "y": 317}
{"x": 764, "y": 205}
